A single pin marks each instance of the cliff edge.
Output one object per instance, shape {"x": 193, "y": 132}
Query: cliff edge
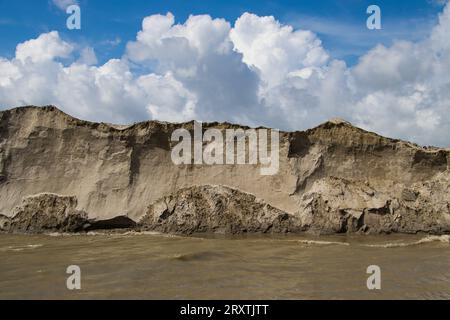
{"x": 335, "y": 178}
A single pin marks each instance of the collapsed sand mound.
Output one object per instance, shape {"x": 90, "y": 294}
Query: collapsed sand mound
{"x": 46, "y": 213}
{"x": 216, "y": 209}
{"x": 335, "y": 205}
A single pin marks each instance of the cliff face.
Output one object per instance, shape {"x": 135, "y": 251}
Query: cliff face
{"x": 333, "y": 178}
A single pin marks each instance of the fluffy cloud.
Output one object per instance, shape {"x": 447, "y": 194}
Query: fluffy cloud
{"x": 106, "y": 93}
{"x": 88, "y": 56}
{"x": 257, "y": 72}
{"x": 199, "y": 55}
{"x": 46, "y": 47}
{"x": 404, "y": 90}
{"x": 276, "y": 50}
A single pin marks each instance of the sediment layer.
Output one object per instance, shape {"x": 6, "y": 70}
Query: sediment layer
{"x": 61, "y": 173}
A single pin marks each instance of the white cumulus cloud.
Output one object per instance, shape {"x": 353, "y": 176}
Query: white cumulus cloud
{"x": 46, "y": 47}
{"x": 274, "y": 49}
{"x": 254, "y": 71}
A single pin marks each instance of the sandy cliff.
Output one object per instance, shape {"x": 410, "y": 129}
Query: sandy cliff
{"x": 333, "y": 178}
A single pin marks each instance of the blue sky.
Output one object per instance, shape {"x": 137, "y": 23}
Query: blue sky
{"x": 285, "y": 64}
{"x": 339, "y": 24}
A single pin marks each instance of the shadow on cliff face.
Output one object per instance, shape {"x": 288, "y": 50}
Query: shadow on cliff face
{"x": 299, "y": 145}
{"x": 427, "y": 159}
{"x": 120, "y": 222}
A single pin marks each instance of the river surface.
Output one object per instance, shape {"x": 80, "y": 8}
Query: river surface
{"x": 155, "y": 266}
